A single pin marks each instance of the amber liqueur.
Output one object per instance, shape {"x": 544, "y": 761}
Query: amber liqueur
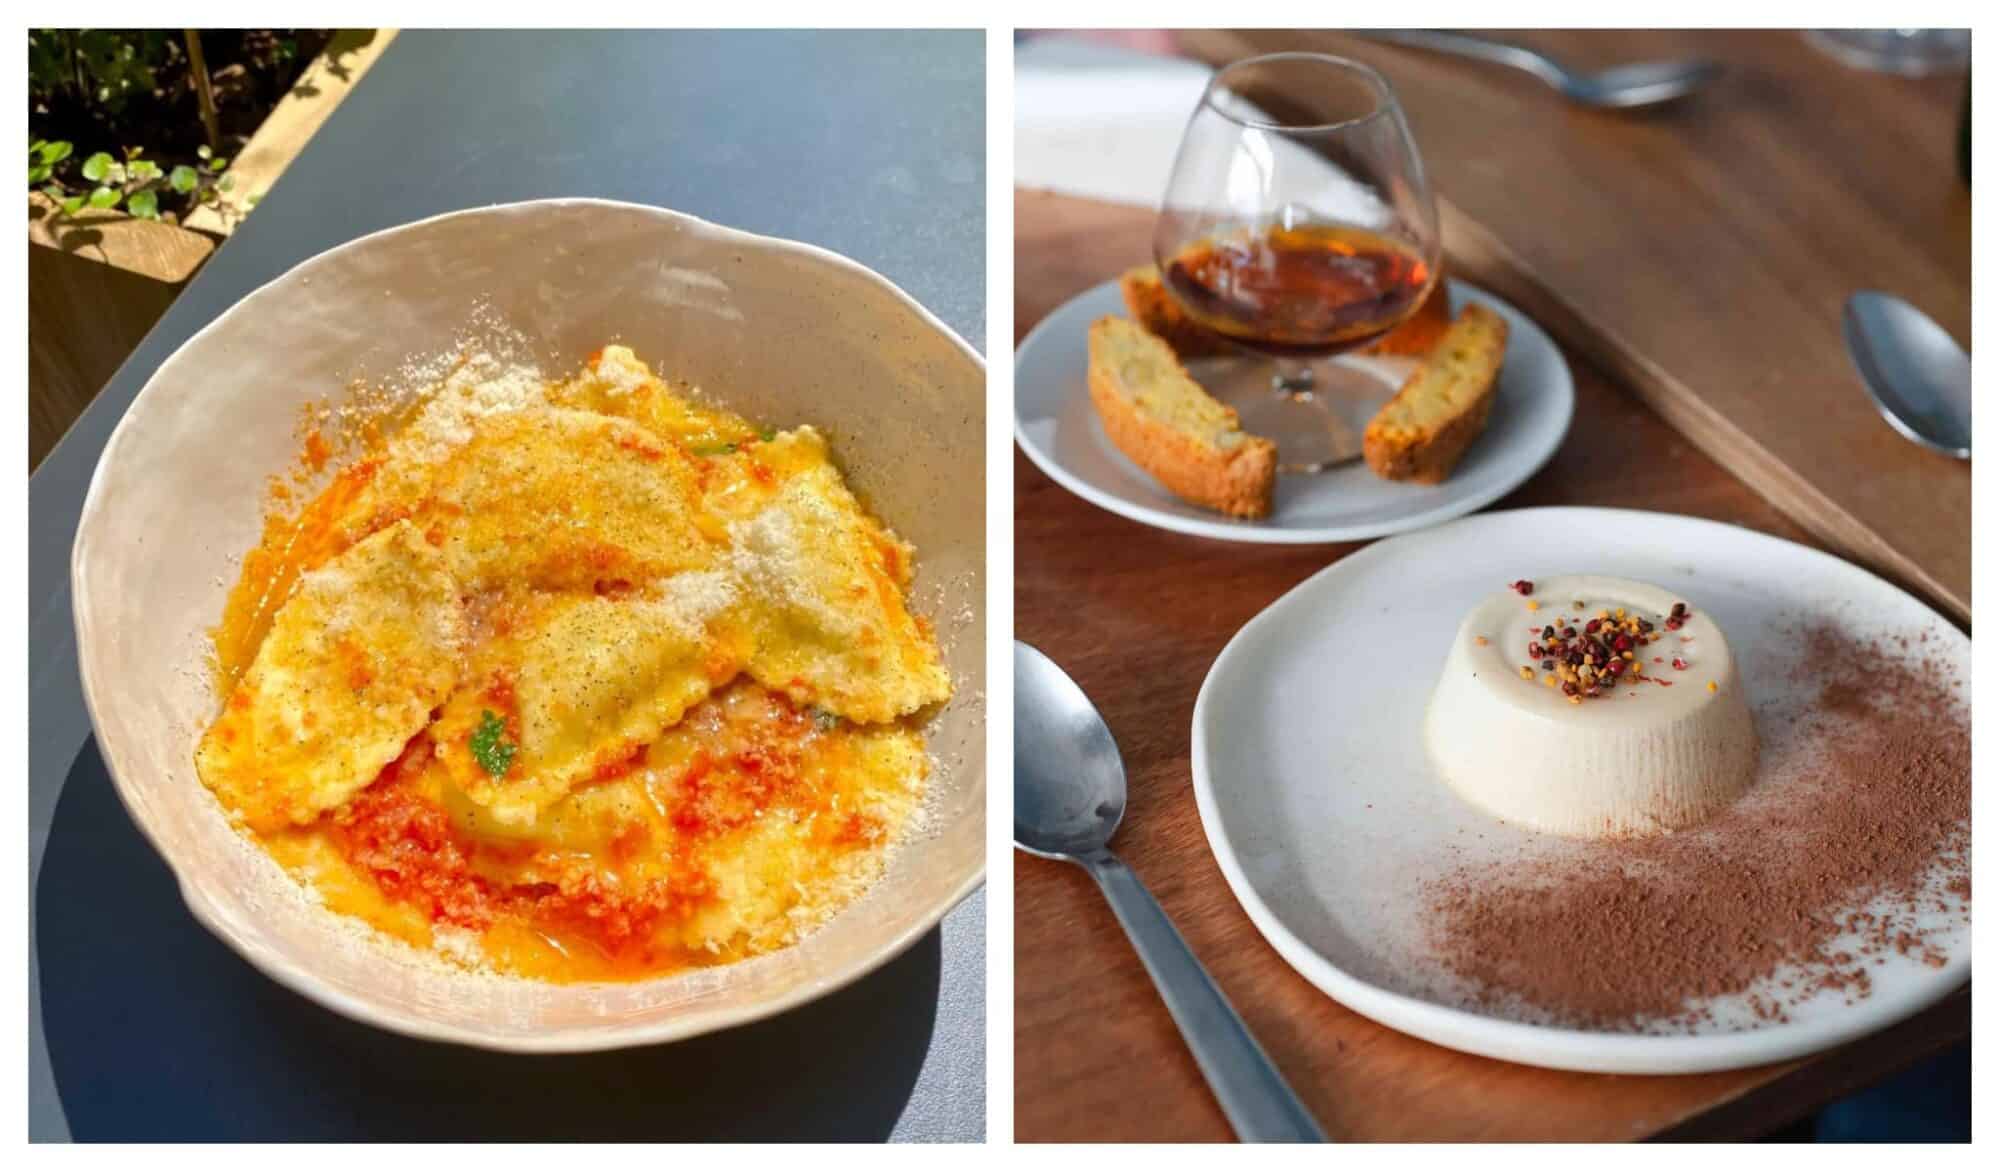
{"x": 1305, "y": 291}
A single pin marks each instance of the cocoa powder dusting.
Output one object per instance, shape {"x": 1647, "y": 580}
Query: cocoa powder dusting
{"x": 1633, "y": 933}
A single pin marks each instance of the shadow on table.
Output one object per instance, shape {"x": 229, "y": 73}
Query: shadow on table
{"x": 156, "y": 1031}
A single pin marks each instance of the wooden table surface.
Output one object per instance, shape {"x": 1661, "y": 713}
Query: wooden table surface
{"x": 1137, "y": 615}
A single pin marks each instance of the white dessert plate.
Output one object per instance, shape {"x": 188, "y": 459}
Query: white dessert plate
{"x": 1056, "y": 425}
{"x": 1313, "y": 785}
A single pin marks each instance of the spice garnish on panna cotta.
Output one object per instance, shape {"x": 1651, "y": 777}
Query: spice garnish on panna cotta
{"x": 1588, "y": 661}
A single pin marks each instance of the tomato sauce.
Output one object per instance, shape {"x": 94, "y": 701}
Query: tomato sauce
{"x": 617, "y": 913}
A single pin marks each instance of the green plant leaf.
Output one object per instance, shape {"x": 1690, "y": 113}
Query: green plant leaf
{"x": 143, "y": 170}
{"x": 183, "y": 178}
{"x": 55, "y": 152}
{"x": 72, "y": 205}
{"x": 494, "y": 755}
{"x": 144, "y": 204}
{"x": 202, "y": 151}
{"x": 96, "y": 166}
{"x": 228, "y": 181}
{"x": 217, "y": 164}
{"x": 37, "y": 173}
{"x": 104, "y": 197}
{"x": 36, "y": 146}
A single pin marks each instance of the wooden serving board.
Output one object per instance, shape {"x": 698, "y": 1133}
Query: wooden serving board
{"x": 1700, "y": 254}
{"x": 1136, "y": 616}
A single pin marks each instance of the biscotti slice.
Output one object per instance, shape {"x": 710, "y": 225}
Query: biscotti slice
{"x": 1155, "y": 308}
{"x": 1420, "y": 332}
{"x": 1168, "y": 425}
{"x": 1421, "y": 433}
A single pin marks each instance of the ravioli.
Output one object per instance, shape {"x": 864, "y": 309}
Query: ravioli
{"x": 581, "y": 681}
{"x": 566, "y": 500}
{"x": 615, "y": 382}
{"x": 786, "y": 835}
{"x": 825, "y": 587}
{"x": 352, "y": 667}
{"x": 577, "y": 684}
{"x": 389, "y": 484}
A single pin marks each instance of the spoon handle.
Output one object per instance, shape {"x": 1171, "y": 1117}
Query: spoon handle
{"x": 1477, "y": 48}
{"x": 1253, "y": 1094}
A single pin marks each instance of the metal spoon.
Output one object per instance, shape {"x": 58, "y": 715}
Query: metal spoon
{"x": 1918, "y": 375}
{"x": 1622, "y": 87}
{"x": 1069, "y": 794}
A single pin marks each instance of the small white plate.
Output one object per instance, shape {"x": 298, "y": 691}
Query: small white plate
{"x": 1311, "y": 778}
{"x": 1057, "y": 427}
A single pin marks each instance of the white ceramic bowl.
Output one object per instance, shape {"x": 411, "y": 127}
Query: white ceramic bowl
{"x": 781, "y": 331}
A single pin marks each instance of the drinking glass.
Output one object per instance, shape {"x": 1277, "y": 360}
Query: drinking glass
{"x": 1297, "y": 225}
{"x": 1911, "y": 52}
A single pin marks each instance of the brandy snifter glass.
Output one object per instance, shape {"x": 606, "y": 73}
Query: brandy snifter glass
{"x": 1297, "y": 224}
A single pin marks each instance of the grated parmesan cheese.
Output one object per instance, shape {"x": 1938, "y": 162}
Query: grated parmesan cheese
{"x": 619, "y": 371}
{"x": 774, "y": 554}
{"x": 691, "y": 600}
{"x": 481, "y": 386}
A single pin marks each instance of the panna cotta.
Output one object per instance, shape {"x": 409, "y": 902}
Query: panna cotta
{"x": 1592, "y": 706}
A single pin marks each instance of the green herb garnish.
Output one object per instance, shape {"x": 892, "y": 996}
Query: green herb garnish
{"x": 768, "y": 434}
{"x": 825, "y": 721}
{"x": 494, "y": 755}
{"x": 715, "y": 449}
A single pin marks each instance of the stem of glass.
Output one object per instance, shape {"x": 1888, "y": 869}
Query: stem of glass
{"x": 1293, "y": 381}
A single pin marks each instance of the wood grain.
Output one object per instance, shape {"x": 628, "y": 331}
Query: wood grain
{"x": 1700, "y": 254}
{"x": 1137, "y": 615}
{"x": 96, "y": 284}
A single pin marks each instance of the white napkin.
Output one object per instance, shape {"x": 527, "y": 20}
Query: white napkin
{"x": 1105, "y": 122}
{"x": 1100, "y": 121}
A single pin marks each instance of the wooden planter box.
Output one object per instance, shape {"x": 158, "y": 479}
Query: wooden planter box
{"x": 97, "y": 282}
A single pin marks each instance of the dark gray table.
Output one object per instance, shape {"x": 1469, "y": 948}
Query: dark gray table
{"x": 142, "y": 1025}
